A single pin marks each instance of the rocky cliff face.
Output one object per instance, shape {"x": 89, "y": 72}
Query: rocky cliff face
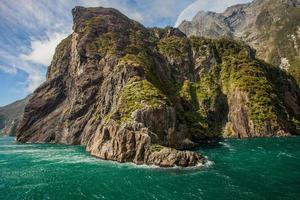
{"x": 10, "y": 116}
{"x": 132, "y": 94}
{"x": 272, "y": 27}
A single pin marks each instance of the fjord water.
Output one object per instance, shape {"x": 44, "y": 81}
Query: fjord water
{"x": 240, "y": 169}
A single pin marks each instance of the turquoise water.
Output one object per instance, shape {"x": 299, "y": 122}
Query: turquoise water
{"x": 240, "y": 169}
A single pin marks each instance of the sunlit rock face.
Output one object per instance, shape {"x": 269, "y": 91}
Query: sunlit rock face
{"x": 133, "y": 94}
{"x": 269, "y": 26}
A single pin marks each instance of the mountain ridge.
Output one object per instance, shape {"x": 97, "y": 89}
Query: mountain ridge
{"x": 10, "y": 116}
{"x": 269, "y": 26}
{"x": 133, "y": 94}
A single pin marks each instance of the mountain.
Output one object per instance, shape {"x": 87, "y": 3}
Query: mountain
{"x": 10, "y": 116}
{"x": 272, "y": 27}
{"x": 133, "y": 94}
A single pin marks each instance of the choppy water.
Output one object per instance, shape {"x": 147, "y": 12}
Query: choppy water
{"x": 240, "y": 169}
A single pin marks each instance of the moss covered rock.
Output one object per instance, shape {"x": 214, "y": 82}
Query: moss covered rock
{"x": 272, "y": 27}
{"x": 141, "y": 95}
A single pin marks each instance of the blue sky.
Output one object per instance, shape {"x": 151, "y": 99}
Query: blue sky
{"x": 31, "y": 29}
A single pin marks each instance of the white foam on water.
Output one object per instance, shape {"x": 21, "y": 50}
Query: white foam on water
{"x": 207, "y": 164}
{"x": 284, "y": 154}
{"x": 43, "y": 154}
{"x": 143, "y": 166}
{"x": 98, "y": 197}
{"x": 54, "y": 155}
{"x": 66, "y": 158}
{"x": 228, "y": 146}
{"x": 16, "y": 145}
{"x": 21, "y": 151}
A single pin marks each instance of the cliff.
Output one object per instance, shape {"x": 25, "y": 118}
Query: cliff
{"x": 132, "y": 94}
{"x": 272, "y": 27}
{"x": 10, "y": 116}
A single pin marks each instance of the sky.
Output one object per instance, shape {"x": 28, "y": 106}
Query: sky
{"x": 31, "y": 29}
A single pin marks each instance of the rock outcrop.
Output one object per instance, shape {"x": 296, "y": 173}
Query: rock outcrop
{"x": 272, "y": 27}
{"x": 132, "y": 94}
{"x": 10, "y": 116}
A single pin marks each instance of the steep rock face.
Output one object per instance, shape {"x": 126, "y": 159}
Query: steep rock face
{"x": 248, "y": 91}
{"x": 208, "y": 24}
{"x": 132, "y": 143}
{"x": 10, "y": 116}
{"x": 96, "y": 84}
{"x": 141, "y": 95}
{"x": 269, "y": 26}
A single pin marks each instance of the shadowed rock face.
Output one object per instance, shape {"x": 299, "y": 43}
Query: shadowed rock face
{"x": 272, "y": 27}
{"x": 10, "y": 116}
{"x": 132, "y": 94}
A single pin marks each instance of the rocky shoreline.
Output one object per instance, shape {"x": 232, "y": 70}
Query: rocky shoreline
{"x": 147, "y": 96}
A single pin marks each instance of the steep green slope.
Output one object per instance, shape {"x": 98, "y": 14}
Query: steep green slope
{"x": 286, "y": 49}
{"x": 272, "y": 27}
{"x": 228, "y": 71}
{"x": 206, "y": 79}
{"x": 133, "y": 94}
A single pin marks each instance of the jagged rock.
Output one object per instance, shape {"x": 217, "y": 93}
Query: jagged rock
{"x": 132, "y": 143}
{"x": 206, "y": 24}
{"x": 272, "y": 27}
{"x": 132, "y": 94}
{"x": 168, "y": 157}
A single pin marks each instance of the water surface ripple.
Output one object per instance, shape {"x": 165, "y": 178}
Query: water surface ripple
{"x": 240, "y": 169}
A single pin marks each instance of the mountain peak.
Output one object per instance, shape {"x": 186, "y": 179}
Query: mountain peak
{"x": 133, "y": 94}
{"x": 82, "y": 16}
{"x": 269, "y": 26}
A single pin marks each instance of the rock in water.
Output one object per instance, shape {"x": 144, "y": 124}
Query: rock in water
{"x": 272, "y": 27}
{"x": 132, "y": 94}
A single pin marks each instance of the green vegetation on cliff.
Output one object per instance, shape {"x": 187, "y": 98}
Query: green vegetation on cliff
{"x": 286, "y": 41}
{"x": 138, "y": 95}
{"x": 233, "y": 67}
{"x": 133, "y": 94}
{"x": 173, "y": 47}
{"x": 165, "y": 63}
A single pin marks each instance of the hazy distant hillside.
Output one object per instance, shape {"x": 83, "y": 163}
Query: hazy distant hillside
{"x": 10, "y": 115}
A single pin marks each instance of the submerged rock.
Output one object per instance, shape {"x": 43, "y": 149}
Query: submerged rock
{"x": 132, "y": 94}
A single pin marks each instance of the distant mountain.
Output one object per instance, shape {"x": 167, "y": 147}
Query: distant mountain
{"x": 133, "y": 94}
{"x": 10, "y": 116}
{"x": 272, "y": 27}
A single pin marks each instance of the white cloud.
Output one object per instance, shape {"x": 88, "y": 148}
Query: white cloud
{"x": 43, "y": 50}
{"x": 34, "y": 80}
{"x": 29, "y": 37}
{"x": 9, "y": 70}
{"x": 146, "y": 12}
{"x": 34, "y": 63}
{"x": 35, "y": 73}
{"x": 121, "y": 5}
{"x": 206, "y": 5}
{"x": 36, "y": 16}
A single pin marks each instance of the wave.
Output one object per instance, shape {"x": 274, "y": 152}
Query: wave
{"x": 228, "y": 146}
{"x": 35, "y": 151}
{"x": 207, "y": 164}
{"x": 284, "y": 154}
{"x": 52, "y": 155}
